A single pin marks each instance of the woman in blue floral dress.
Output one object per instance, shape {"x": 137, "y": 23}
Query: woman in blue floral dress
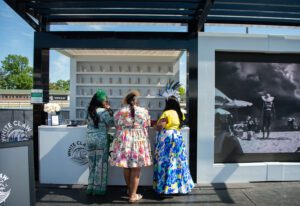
{"x": 99, "y": 120}
{"x": 171, "y": 170}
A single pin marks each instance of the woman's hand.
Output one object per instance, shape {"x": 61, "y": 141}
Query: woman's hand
{"x": 161, "y": 124}
{"x": 106, "y": 105}
{"x": 158, "y": 127}
{"x": 107, "y": 108}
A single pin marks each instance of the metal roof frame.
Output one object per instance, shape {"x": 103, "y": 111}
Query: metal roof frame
{"x": 260, "y": 12}
{"x": 194, "y": 13}
{"x": 40, "y": 13}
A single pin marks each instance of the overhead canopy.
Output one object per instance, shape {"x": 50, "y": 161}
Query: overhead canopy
{"x": 264, "y": 12}
{"x": 36, "y": 12}
{"x": 39, "y": 13}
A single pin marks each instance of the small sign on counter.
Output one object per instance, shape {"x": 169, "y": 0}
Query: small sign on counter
{"x": 54, "y": 120}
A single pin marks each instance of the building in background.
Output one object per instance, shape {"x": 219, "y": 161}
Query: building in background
{"x": 118, "y": 72}
{"x": 20, "y": 99}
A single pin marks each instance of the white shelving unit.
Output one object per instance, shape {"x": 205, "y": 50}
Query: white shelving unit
{"x": 118, "y": 75}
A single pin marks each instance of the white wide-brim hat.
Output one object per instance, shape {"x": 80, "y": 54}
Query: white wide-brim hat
{"x": 267, "y": 98}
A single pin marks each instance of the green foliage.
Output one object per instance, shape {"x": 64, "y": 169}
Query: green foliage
{"x": 181, "y": 91}
{"x": 16, "y": 73}
{"x": 60, "y": 85}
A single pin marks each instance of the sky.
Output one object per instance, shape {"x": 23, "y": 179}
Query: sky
{"x": 273, "y": 76}
{"x": 16, "y": 37}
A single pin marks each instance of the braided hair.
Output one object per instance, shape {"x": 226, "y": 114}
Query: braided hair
{"x": 130, "y": 99}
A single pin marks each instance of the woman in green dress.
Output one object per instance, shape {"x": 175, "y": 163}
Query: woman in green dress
{"x": 99, "y": 120}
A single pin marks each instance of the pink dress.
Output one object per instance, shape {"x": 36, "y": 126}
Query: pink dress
{"x": 131, "y": 147}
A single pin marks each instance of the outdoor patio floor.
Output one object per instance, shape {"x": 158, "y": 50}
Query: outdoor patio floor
{"x": 265, "y": 193}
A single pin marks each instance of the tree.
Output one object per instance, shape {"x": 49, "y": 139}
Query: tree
{"x": 16, "y": 73}
{"x": 60, "y": 85}
{"x": 181, "y": 91}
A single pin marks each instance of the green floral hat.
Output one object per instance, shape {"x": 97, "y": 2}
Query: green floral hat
{"x": 101, "y": 95}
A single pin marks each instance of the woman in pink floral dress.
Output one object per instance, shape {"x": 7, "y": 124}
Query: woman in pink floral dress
{"x": 131, "y": 148}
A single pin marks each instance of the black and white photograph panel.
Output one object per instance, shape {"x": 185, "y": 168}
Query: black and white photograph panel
{"x": 257, "y": 103}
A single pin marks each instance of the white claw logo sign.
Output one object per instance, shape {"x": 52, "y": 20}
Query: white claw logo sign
{"x": 78, "y": 153}
{"x": 15, "y": 131}
{"x": 4, "y": 189}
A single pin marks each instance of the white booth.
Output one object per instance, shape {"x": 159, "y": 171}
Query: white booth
{"x": 63, "y": 159}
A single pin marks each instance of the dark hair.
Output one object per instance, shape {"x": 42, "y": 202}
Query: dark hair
{"x": 94, "y": 104}
{"x": 129, "y": 99}
{"x": 173, "y": 104}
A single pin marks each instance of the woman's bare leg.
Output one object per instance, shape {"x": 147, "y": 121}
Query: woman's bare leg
{"x": 134, "y": 181}
{"x": 126, "y": 173}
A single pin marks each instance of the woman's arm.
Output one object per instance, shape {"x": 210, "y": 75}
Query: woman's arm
{"x": 108, "y": 117}
{"x": 161, "y": 123}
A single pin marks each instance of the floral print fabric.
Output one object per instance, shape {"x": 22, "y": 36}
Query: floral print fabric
{"x": 171, "y": 171}
{"x": 131, "y": 147}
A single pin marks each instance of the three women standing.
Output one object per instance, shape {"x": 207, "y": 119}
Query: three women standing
{"x": 131, "y": 147}
{"x": 99, "y": 120}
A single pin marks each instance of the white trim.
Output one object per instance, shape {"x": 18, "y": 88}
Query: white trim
{"x": 207, "y": 171}
{"x": 73, "y": 67}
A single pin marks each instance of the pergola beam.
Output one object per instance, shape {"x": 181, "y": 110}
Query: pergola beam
{"x": 22, "y": 13}
{"x": 255, "y": 7}
{"x": 250, "y": 14}
{"x": 203, "y": 16}
{"x": 112, "y": 4}
{"x": 110, "y": 18}
{"x": 261, "y": 2}
{"x": 253, "y": 21}
{"x": 92, "y": 11}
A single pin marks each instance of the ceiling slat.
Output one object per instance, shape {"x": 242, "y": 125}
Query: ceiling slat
{"x": 253, "y": 20}
{"x": 261, "y": 2}
{"x": 258, "y": 14}
{"x": 233, "y": 7}
{"x": 268, "y": 12}
{"x": 114, "y": 11}
{"x": 121, "y": 1}
{"x": 112, "y": 4}
{"x": 107, "y": 18}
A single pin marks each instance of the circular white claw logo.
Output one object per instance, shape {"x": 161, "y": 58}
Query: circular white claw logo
{"x": 4, "y": 189}
{"x": 15, "y": 131}
{"x": 78, "y": 153}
